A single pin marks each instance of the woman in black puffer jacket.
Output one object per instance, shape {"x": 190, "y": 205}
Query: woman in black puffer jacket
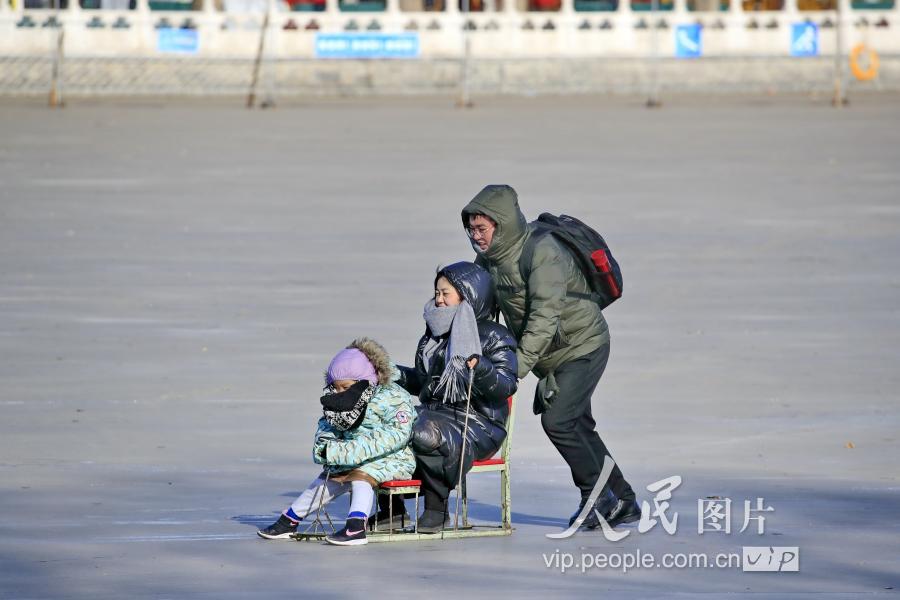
{"x": 459, "y": 336}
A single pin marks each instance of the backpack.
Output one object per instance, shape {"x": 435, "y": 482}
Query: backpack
{"x": 587, "y": 247}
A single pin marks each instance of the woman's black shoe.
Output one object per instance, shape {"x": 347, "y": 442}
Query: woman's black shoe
{"x": 433, "y": 521}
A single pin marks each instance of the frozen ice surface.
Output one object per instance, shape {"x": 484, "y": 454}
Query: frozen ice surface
{"x": 173, "y": 280}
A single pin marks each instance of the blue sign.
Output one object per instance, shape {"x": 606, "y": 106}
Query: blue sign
{"x": 182, "y": 41}
{"x": 367, "y": 45}
{"x": 804, "y": 39}
{"x": 689, "y": 41}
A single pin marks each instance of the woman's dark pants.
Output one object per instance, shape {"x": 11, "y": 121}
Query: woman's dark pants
{"x": 437, "y": 444}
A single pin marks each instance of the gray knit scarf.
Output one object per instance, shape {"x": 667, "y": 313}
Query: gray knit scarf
{"x": 460, "y": 321}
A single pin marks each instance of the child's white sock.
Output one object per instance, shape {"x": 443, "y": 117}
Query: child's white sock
{"x": 361, "y": 500}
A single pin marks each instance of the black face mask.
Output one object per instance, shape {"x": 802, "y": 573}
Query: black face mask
{"x": 346, "y": 410}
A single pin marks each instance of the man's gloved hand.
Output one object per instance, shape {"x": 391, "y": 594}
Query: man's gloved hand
{"x": 545, "y": 394}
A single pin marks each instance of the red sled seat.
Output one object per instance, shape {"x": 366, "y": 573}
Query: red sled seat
{"x": 401, "y": 483}
{"x": 488, "y": 462}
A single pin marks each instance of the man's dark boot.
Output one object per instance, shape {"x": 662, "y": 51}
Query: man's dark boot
{"x": 625, "y": 511}
{"x": 605, "y": 503}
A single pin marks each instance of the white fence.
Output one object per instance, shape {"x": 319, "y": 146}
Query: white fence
{"x": 508, "y": 33}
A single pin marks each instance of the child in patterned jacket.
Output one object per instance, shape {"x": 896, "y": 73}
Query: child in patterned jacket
{"x": 362, "y": 440}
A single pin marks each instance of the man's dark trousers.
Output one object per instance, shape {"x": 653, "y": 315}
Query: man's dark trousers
{"x": 569, "y": 424}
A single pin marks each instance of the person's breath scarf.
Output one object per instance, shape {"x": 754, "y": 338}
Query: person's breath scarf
{"x": 460, "y": 321}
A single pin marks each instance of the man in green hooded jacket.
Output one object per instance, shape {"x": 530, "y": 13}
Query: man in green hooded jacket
{"x": 563, "y": 339}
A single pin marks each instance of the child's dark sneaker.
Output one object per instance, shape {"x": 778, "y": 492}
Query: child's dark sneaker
{"x": 353, "y": 534}
{"x": 279, "y": 530}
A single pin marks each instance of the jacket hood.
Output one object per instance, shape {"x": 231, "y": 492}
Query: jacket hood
{"x": 501, "y": 204}
{"x": 378, "y": 356}
{"x": 474, "y": 284}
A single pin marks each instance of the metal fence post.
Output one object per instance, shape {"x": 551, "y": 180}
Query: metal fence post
{"x": 251, "y": 96}
{"x": 653, "y": 99}
{"x": 55, "y": 99}
{"x": 465, "y": 100}
{"x": 840, "y": 83}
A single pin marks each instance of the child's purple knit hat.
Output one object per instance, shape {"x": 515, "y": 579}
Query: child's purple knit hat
{"x": 350, "y": 363}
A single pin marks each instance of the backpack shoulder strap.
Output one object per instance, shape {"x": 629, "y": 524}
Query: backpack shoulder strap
{"x": 483, "y": 263}
{"x": 526, "y": 262}
{"x": 526, "y": 259}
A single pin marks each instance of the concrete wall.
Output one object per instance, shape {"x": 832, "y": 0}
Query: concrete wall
{"x": 110, "y": 76}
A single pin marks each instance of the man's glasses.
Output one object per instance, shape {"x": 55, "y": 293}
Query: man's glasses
{"x": 478, "y": 232}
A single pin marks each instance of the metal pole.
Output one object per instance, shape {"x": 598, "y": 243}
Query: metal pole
{"x": 55, "y": 99}
{"x": 251, "y": 97}
{"x": 464, "y": 99}
{"x": 840, "y": 94}
{"x": 653, "y": 100}
{"x": 462, "y": 451}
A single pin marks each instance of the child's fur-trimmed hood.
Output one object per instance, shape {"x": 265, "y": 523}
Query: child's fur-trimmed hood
{"x": 378, "y": 356}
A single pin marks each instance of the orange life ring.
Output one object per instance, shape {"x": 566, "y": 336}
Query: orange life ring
{"x": 858, "y": 72}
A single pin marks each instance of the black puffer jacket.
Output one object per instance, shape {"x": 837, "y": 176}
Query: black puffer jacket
{"x": 495, "y": 378}
{"x": 437, "y": 433}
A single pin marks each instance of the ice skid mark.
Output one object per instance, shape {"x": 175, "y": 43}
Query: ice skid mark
{"x": 120, "y": 320}
{"x": 87, "y": 182}
{"x": 154, "y": 522}
{"x": 174, "y": 538}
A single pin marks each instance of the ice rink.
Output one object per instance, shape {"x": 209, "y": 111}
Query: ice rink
{"x": 174, "y": 280}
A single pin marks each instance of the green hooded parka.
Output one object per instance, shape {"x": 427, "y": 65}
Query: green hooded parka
{"x": 561, "y": 327}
